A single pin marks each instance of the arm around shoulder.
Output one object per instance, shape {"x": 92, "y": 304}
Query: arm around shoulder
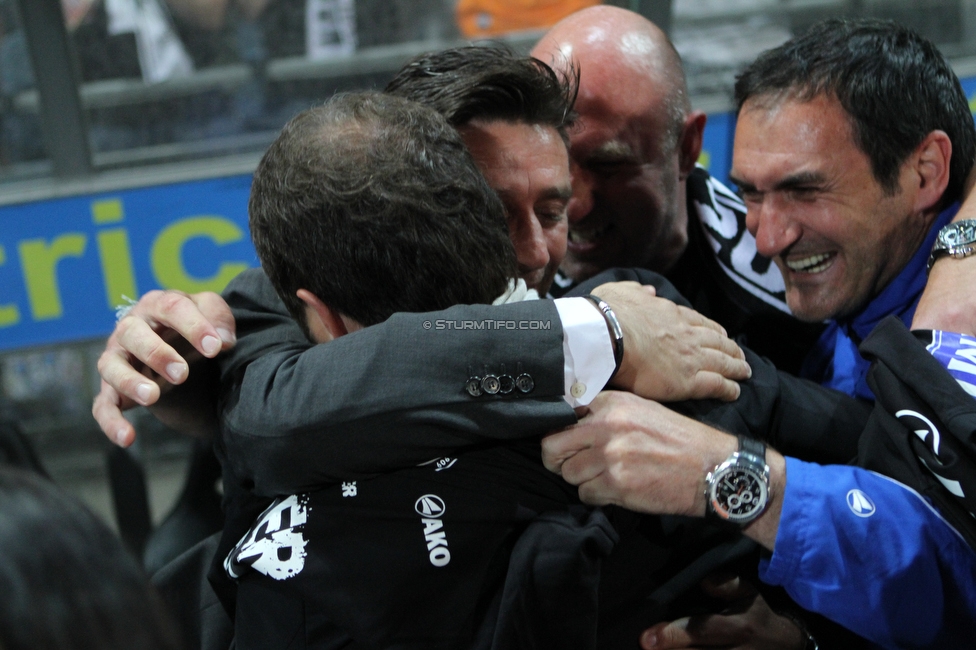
{"x": 388, "y": 396}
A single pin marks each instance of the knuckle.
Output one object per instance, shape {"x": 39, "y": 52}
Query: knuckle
{"x": 171, "y": 300}
{"x": 124, "y": 326}
{"x": 102, "y": 363}
{"x": 616, "y": 420}
{"x": 710, "y": 385}
{"x": 157, "y": 355}
{"x": 128, "y": 385}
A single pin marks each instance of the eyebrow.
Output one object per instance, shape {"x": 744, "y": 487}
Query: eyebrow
{"x": 561, "y": 193}
{"x": 613, "y": 150}
{"x": 801, "y": 179}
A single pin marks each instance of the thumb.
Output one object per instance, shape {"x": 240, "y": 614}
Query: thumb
{"x": 727, "y": 586}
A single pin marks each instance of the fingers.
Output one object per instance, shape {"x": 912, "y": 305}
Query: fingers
{"x": 107, "y": 410}
{"x": 710, "y": 335}
{"x": 694, "y": 318}
{"x": 204, "y": 320}
{"x": 115, "y": 368}
{"x": 693, "y": 632}
{"x": 558, "y": 447}
{"x": 666, "y": 635}
{"x": 728, "y": 586}
{"x": 721, "y": 362}
{"x": 710, "y": 385}
{"x": 217, "y": 312}
{"x": 137, "y": 339}
{"x": 723, "y": 343}
{"x": 195, "y": 318}
{"x": 751, "y": 624}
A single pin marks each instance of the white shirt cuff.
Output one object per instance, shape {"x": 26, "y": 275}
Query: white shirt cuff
{"x": 587, "y": 350}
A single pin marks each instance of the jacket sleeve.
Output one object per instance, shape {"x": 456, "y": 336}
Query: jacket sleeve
{"x": 923, "y": 429}
{"x": 796, "y": 416}
{"x": 296, "y": 415}
{"x": 874, "y": 556}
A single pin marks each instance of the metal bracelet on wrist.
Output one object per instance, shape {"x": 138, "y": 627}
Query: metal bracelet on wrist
{"x": 613, "y": 326}
{"x": 956, "y": 239}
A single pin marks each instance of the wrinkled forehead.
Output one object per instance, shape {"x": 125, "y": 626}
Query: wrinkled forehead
{"x": 619, "y": 124}
{"x": 797, "y": 120}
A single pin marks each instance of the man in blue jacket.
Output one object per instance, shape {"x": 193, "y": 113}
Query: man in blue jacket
{"x": 853, "y": 147}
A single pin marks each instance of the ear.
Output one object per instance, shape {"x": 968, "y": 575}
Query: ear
{"x": 324, "y": 323}
{"x": 690, "y": 142}
{"x": 931, "y": 161}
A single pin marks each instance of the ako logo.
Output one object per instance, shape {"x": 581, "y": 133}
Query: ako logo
{"x": 431, "y": 507}
{"x": 860, "y": 503}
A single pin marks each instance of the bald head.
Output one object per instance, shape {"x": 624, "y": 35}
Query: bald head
{"x": 636, "y": 141}
{"x": 622, "y": 54}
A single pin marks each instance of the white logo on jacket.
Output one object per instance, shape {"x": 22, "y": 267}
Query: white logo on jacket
{"x": 929, "y": 434}
{"x": 860, "y": 504}
{"x": 275, "y": 545}
{"x": 431, "y": 507}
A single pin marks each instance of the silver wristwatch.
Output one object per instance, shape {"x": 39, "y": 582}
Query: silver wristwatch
{"x": 956, "y": 239}
{"x": 737, "y": 490}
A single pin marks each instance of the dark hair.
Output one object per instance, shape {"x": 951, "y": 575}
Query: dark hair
{"x": 895, "y": 86}
{"x": 489, "y": 82}
{"x": 373, "y": 203}
{"x": 67, "y": 581}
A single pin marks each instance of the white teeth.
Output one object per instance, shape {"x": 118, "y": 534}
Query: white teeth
{"x": 586, "y": 236}
{"x": 812, "y": 264}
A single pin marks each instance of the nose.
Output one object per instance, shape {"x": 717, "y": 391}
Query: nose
{"x": 769, "y": 222}
{"x": 530, "y": 243}
{"x": 581, "y": 203}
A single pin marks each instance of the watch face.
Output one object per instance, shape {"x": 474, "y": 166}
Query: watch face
{"x": 958, "y": 234}
{"x": 738, "y": 494}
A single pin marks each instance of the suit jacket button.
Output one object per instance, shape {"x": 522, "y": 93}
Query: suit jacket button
{"x": 490, "y": 384}
{"x": 524, "y": 382}
{"x": 473, "y": 386}
{"x": 506, "y": 384}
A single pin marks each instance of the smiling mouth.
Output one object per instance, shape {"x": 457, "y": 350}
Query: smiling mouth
{"x": 587, "y": 235}
{"x": 812, "y": 263}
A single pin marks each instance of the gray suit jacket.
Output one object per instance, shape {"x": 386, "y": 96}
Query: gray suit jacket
{"x": 296, "y": 416}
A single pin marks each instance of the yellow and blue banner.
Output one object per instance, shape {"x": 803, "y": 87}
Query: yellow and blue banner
{"x": 66, "y": 264}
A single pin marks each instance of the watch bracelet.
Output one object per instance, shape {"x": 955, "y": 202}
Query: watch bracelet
{"x": 956, "y": 250}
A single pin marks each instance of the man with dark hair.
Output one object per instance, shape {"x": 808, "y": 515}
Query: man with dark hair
{"x": 365, "y": 190}
{"x": 363, "y": 207}
{"x": 852, "y": 150}
{"x": 513, "y": 113}
{"x": 850, "y": 218}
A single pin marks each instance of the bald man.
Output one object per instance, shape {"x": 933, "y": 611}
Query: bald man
{"x": 639, "y": 200}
